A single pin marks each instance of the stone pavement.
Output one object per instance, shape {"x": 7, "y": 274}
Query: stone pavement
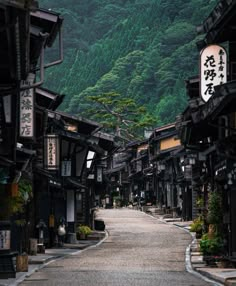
{"x": 194, "y": 261}
{"x": 225, "y": 276}
{"x": 40, "y": 260}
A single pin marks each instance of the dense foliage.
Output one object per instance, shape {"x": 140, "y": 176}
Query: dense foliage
{"x": 140, "y": 49}
{"x": 120, "y": 115}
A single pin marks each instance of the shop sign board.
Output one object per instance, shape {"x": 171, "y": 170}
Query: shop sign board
{"x": 51, "y": 152}
{"x": 66, "y": 168}
{"x": 26, "y": 121}
{"x": 213, "y": 66}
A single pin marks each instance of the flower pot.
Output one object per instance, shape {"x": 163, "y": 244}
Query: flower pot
{"x": 222, "y": 264}
{"x": 82, "y": 236}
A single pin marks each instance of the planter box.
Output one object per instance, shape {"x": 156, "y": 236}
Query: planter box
{"x": 82, "y": 236}
{"x": 22, "y": 263}
{"x": 223, "y": 264}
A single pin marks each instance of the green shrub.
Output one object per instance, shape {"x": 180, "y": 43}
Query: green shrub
{"x": 84, "y": 229}
{"x": 197, "y": 225}
{"x": 214, "y": 208}
{"x": 200, "y": 202}
{"x": 211, "y": 246}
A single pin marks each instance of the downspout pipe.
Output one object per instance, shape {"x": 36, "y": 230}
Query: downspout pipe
{"x": 61, "y": 57}
{"x": 60, "y": 52}
{"x": 40, "y": 82}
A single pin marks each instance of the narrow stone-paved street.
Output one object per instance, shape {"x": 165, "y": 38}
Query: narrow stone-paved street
{"x": 140, "y": 250}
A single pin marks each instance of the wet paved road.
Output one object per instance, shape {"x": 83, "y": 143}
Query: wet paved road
{"x": 140, "y": 251}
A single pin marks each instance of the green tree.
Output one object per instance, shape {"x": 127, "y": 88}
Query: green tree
{"x": 120, "y": 115}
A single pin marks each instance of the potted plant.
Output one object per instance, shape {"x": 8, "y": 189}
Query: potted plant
{"x": 222, "y": 261}
{"x": 14, "y": 198}
{"x": 197, "y": 226}
{"x": 215, "y": 213}
{"x": 210, "y": 246}
{"x": 200, "y": 202}
{"x": 21, "y": 200}
{"x": 83, "y": 231}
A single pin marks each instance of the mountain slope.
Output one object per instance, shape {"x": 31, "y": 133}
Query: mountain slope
{"x": 142, "y": 49}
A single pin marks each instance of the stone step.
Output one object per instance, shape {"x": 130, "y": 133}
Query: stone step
{"x": 196, "y": 253}
{"x": 195, "y": 248}
{"x": 230, "y": 282}
{"x": 95, "y": 236}
{"x": 197, "y": 260}
{"x": 199, "y": 265}
{"x": 40, "y": 259}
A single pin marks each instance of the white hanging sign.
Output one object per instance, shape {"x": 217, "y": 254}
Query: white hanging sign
{"x": 27, "y": 108}
{"x": 51, "y": 152}
{"x": 213, "y": 64}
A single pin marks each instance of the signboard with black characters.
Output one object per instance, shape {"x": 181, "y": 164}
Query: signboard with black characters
{"x": 66, "y": 168}
{"x": 213, "y": 64}
{"x": 51, "y": 152}
{"x": 27, "y": 109}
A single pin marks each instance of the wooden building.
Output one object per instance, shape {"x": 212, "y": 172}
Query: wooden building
{"x": 97, "y": 180}
{"x": 163, "y": 155}
{"x": 116, "y": 175}
{"x": 207, "y": 126}
{"x": 69, "y": 145}
{"x": 26, "y": 32}
{"x": 139, "y": 173}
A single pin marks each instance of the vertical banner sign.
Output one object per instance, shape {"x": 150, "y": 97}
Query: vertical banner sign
{"x": 27, "y": 108}
{"x": 213, "y": 69}
{"x": 66, "y": 168}
{"x": 51, "y": 155}
{"x": 5, "y": 238}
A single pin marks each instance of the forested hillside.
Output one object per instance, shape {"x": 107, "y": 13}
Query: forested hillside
{"x": 139, "y": 49}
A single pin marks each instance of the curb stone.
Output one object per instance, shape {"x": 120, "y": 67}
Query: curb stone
{"x": 188, "y": 263}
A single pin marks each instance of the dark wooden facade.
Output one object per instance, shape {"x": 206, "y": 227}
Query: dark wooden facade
{"x": 139, "y": 174}
{"x": 207, "y": 129}
{"x": 164, "y": 148}
{"x": 64, "y": 190}
{"x": 25, "y": 34}
{"x": 116, "y": 175}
